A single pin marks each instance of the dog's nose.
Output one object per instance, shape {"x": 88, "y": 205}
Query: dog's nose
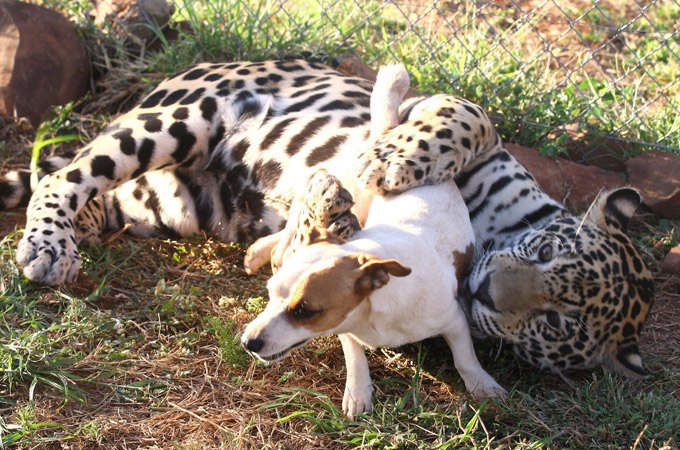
{"x": 482, "y": 293}
{"x": 253, "y": 345}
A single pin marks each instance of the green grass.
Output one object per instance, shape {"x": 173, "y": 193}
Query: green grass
{"x": 147, "y": 335}
{"x": 518, "y": 83}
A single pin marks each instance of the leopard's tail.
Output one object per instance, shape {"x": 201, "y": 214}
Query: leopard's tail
{"x": 15, "y": 186}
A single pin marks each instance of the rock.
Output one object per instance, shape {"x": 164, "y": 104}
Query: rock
{"x": 657, "y": 176}
{"x": 671, "y": 263}
{"x": 586, "y": 147}
{"x": 42, "y": 61}
{"x": 574, "y": 184}
{"x": 134, "y": 19}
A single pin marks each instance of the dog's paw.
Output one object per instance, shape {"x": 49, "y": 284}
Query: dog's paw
{"x": 487, "y": 387}
{"x": 49, "y": 254}
{"x": 357, "y": 401}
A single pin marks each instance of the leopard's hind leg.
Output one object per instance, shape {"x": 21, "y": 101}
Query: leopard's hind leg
{"x": 321, "y": 212}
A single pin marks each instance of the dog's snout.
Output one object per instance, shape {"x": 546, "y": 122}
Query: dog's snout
{"x": 482, "y": 294}
{"x": 253, "y": 345}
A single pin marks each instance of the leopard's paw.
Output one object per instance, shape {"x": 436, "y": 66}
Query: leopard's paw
{"x": 49, "y": 255}
{"x": 393, "y": 173}
{"x": 344, "y": 225}
{"x": 326, "y": 198}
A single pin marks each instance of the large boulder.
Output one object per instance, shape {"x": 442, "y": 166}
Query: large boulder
{"x": 574, "y": 184}
{"x": 42, "y": 61}
{"x": 657, "y": 176}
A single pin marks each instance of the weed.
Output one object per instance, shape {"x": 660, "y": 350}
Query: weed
{"x": 228, "y": 341}
{"x": 256, "y": 305}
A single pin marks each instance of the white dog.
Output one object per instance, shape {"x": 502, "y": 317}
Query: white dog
{"x": 420, "y": 238}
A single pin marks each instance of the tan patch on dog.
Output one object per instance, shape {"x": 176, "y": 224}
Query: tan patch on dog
{"x": 323, "y": 299}
{"x": 462, "y": 262}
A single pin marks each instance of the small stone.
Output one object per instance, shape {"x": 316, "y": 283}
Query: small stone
{"x": 134, "y": 19}
{"x": 671, "y": 263}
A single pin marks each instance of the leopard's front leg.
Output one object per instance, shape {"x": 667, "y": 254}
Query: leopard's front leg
{"x": 437, "y": 137}
{"x": 142, "y": 140}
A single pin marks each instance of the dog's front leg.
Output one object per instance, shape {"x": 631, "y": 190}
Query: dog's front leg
{"x": 260, "y": 252}
{"x": 358, "y": 388}
{"x": 477, "y": 381}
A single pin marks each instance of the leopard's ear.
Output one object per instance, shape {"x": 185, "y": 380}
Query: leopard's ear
{"x": 613, "y": 210}
{"x": 626, "y": 361}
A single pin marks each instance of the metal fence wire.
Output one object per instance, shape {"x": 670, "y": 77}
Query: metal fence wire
{"x": 587, "y": 78}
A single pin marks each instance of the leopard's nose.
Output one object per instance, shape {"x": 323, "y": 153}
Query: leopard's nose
{"x": 482, "y": 294}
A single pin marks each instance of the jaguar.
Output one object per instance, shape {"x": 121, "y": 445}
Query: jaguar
{"x": 223, "y": 148}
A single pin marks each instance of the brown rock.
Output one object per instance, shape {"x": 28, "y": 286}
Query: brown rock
{"x": 574, "y": 184}
{"x": 671, "y": 263}
{"x": 42, "y": 61}
{"x": 657, "y": 176}
{"x": 586, "y": 147}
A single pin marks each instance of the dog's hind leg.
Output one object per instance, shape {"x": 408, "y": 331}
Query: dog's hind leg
{"x": 477, "y": 381}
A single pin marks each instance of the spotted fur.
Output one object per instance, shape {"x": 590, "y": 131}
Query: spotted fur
{"x": 224, "y": 148}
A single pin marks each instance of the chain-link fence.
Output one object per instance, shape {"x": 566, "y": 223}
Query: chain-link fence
{"x": 588, "y": 78}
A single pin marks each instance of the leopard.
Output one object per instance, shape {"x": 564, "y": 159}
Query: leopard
{"x": 224, "y": 148}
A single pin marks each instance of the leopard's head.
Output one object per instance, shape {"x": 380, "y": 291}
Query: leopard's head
{"x": 572, "y": 295}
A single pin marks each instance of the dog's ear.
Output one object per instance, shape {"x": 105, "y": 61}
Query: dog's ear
{"x": 375, "y": 273}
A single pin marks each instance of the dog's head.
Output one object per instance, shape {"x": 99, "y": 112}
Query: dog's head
{"x": 320, "y": 290}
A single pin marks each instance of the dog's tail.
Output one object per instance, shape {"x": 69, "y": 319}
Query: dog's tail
{"x": 390, "y": 88}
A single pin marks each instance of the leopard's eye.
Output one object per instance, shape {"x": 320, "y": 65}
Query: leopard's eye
{"x": 546, "y": 252}
{"x": 301, "y": 311}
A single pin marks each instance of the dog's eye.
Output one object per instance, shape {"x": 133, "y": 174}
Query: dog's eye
{"x": 302, "y": 312}
{"x": 546, "y": 252}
